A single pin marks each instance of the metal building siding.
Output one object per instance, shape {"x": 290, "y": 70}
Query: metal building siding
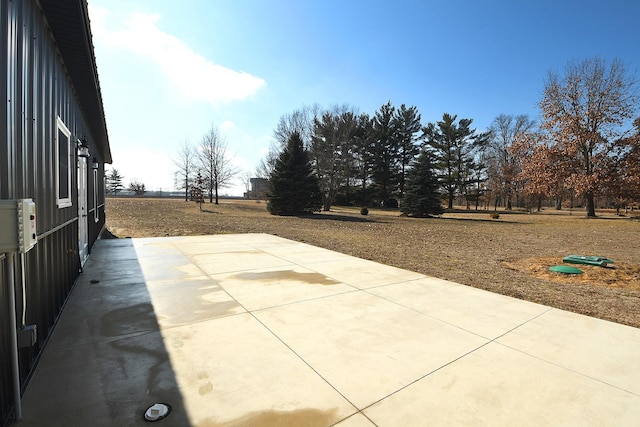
{"x": 5, "y": 358}
{"x": 6, "y": 171}
{"x": 4, "y": 147}
{"x": 39, "y": 87}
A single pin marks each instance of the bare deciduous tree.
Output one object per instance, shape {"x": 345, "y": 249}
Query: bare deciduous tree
{"x": 246, "y": 182}
{"x": 215, "y": 163}
{"x": 186, "y": 164}
{"x": 503, "y": 165}
{"x": 137, "y": 187}
{"x": 268, "y": 162}
{"x": 300, "y": 121}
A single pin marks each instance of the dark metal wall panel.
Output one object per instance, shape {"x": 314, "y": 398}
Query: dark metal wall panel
{"x": 5, "y": 358}
{"x": 36, "y": 89}
{"x": 6, "y": 400}
{"x": 70, "y": 27}
{"x": 39, "y": 90}
{"x": 9, "y": 21}
{"x": 4, "y": 130}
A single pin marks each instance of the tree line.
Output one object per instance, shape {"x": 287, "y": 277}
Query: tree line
{"x": 583, "y": 148}
{"x": 114, "y": 183}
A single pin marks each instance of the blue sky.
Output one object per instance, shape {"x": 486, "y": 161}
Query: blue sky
{"x": 170, "y": 70}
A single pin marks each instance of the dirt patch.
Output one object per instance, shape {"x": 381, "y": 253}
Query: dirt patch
{"x": 617, "y": 275}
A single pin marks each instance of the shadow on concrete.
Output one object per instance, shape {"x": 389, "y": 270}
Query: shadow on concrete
{"x": 106, "y": 362}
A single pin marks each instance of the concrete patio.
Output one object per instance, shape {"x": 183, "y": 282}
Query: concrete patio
{"x": 256, "y": 330}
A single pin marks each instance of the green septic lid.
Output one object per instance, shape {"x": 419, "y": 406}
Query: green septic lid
{"x": 565, "y": 269}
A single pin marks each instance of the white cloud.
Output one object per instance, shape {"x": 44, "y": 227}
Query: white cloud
{"x": 193, "y": 75}
{"x": 226, "y": 125}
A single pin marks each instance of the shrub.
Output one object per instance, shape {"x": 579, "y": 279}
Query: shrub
{"x": 364, "y": 211}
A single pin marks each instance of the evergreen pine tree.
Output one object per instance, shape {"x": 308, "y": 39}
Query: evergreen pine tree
{"x": 386, "y": 147}
{"x": 421, "y": 197}
{"x": 114, "y": 181}
{"x": 294, "y": 187}
{"x": 453, "y": 144}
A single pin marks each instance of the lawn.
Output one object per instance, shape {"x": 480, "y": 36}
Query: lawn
{"x": 509, "y": 255}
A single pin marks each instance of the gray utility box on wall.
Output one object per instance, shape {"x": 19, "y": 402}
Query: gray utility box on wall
{"x": 17, "y": 225}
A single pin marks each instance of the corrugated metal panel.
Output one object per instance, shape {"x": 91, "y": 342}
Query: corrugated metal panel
{"x": 4, "y": 64}
{"x": 69, "y": 23}
{"x": 39, "y": 87}
{"x": 6, "y": 171}
{"x": 6, "y": 401}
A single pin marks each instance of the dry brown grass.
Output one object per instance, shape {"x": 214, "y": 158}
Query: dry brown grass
{"x": 510, "y": 255}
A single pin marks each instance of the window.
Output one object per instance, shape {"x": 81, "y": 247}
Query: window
{"x": 63, "y": 165}
{"x": 96, "y": 211}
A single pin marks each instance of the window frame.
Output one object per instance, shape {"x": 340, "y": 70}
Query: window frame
{"x": 63, "y": 202}
{"x": 96, "y": 211}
